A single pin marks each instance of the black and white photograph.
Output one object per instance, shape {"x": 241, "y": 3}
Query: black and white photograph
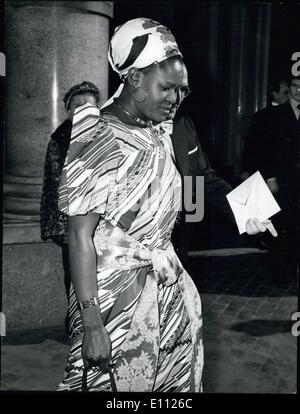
{"x": 151, "y": 199}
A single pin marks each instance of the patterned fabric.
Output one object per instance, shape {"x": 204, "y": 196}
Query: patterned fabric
{"x": 149, "y": 304}
{"x": 165, "y": 129}
{"x": 54, "y": 223}
{"x": 139, "y": 43}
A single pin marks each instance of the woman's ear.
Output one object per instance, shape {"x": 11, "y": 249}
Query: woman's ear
{"x": 134, "y": 77}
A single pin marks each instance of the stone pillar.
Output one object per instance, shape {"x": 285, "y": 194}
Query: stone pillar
{"x": 50, "y": 46}
{"x": 248, "y": 72}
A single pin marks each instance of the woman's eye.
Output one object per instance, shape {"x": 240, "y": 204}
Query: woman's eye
{"x": 164, "y": 89}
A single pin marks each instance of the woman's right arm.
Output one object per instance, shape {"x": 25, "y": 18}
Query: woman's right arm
{"x": 96, "y": 346}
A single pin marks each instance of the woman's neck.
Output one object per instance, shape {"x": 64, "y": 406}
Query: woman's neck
{"x": 128, "y": 104}
{"x": 130, "y": 110}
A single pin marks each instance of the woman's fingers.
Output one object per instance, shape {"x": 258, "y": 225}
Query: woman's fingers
{"x": 96, "y": 349}
{"x": 102, "y": 364}
{"x": 96, "y": 365}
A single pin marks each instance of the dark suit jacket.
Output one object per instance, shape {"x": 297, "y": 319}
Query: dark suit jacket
{"x": 272, "y": 147}
{"x": 272, "y": 144}
{"x": 286, "y": 136}
{"x": 192, "y": 161}
{"x": 259, "y": 149}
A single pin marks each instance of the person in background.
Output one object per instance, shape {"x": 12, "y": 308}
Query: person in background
{"x": 283, "y": 162}
{"x": 54, "y": 223}
{"x": 191, "y": 160}
{"x": 258, "y": 141}
{"x": 283, "y": 157}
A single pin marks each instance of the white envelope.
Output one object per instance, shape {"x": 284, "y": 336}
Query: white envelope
{"x": 252, "y": 199}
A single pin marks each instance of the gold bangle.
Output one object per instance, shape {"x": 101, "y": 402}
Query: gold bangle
{"x": 88, "y": 303}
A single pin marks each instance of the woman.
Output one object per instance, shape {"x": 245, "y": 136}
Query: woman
{"x": 132, "y": 305}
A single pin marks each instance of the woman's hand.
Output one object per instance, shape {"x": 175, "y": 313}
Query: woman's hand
{"x": 96, "y": 345}
{"x": 254, "y": 226}
{"x": 165, "y": 266}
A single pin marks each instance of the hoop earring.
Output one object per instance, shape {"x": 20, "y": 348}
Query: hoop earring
{"x": 140, "y": 94}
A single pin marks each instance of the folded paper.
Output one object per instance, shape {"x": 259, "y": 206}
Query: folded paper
{"x": 252, "y": 199}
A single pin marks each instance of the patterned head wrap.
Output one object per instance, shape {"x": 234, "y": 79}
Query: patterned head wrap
{"x": 139, "y": 43}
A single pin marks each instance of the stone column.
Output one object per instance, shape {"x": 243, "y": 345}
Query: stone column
{"x": 50, "y": 46}
{"x": 248, "y": 72}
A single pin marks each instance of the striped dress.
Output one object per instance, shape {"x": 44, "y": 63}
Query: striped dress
{"x": 149, "y": 304}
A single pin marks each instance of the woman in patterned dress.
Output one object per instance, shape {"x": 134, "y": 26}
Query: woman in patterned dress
{"x": 132, "y": 305}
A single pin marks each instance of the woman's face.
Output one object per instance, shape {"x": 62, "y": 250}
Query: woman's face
{"x": 80, "y": 99}
{"x": 162, "y": 85}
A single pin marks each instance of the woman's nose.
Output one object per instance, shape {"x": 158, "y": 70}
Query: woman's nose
{"x": 172, "y": 97}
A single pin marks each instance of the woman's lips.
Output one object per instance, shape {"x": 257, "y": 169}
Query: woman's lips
{"x": 167, "y": 110}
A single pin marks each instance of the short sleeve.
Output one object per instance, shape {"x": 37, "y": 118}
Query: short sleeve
{"x": 91, "y": 161}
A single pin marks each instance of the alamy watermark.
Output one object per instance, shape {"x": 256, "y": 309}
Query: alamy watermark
{"x": 296, "y": 66}
{"x": 2, "y": 324}
{"x": 2, "y": 64}
{"x": 296, "y": 325}
{"x": 160, "y": 197}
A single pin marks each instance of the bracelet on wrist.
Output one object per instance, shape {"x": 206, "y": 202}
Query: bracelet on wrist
{"x": 88, "y": 303}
